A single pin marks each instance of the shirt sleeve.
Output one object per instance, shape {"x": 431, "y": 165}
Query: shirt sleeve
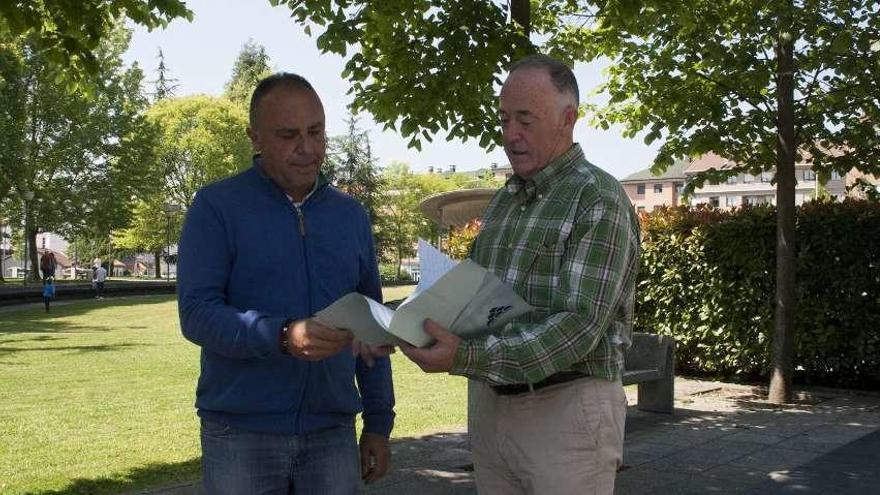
{"x": 375, "y": 383}
{"x": 600, "y": 254}
{"x": 204, "y": 264}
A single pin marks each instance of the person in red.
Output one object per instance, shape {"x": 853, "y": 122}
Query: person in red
{"x": 48, "y": 265}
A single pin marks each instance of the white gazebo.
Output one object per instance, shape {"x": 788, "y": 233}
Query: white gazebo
{"x": 456, "y": 208}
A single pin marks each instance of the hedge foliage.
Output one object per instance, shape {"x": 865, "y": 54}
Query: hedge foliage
{"x": 707, "y": 278}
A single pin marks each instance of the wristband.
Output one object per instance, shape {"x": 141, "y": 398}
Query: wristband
{"x": 285, "y": 336}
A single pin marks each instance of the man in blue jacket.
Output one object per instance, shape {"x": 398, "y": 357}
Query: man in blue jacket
{"x": 261, "y": 252}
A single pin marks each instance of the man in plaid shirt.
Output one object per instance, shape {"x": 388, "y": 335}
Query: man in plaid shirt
{"x": 548, "y": 407}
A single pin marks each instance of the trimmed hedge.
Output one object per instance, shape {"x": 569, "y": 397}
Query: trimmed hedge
{"x": 707, "y": 278}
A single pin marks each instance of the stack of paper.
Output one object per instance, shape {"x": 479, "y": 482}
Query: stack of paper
{"x": 465, "y": 298}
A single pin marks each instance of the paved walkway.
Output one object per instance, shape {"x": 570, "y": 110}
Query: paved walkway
{"x": 722, "y": 439}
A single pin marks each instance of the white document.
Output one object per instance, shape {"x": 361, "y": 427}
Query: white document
{"x": 465, "y": 298}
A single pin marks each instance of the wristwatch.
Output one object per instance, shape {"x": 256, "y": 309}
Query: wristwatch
{"x": 285, "y": 336}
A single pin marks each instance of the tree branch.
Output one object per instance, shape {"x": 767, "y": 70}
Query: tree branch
{"x": 757, "y": 105}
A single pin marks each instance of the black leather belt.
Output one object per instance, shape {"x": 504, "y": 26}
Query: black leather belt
{"x": 554, "y": 379}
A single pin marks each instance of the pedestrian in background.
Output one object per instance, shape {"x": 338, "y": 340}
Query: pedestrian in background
{"x": 48, "y": 292}
{"x": 99, "y": 276}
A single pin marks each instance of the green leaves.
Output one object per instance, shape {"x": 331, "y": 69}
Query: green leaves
{"x": 69, "y": 146}
{"x": 707, "y": 278}
{"x": 251, "y": 66}
{"x": 421, "y": 66}
{"x": 68, "y": 33}
{"x": 202, "y": 140}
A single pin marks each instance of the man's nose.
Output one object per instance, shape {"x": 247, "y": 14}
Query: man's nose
{"x": 306, "y": 144}
{"x": 511, "y": 132}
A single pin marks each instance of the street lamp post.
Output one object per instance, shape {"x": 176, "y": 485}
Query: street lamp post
{"x": 170, "y": 209}
{"x": 26, "y": 195}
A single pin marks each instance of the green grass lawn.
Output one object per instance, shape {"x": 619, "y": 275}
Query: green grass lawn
{"x": 97, "y": 397}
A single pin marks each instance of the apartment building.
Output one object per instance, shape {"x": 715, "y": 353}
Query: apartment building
{"x": 646, "y": 190}
{"x": 749, "y": 189}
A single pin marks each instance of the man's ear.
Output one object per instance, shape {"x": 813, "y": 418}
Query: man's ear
{"x": 571, "y": 115}
{"x": 253, "y": 137}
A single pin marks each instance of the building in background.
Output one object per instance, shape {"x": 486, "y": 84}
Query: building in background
{"x": 747, "y": 189}
{"x": 647, "y": 191}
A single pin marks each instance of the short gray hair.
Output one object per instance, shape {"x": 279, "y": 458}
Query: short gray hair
{"x": 560, "y": 74}
{"x": 265, "y": 86}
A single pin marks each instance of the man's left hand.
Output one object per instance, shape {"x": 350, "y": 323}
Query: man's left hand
{"x": 375, "y": 456}
{"x": 439, "y": 357}
{"x": 369, "y": 353}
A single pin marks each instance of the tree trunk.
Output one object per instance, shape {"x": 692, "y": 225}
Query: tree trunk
{"x": 520, "y": 11}
{"x": 399, "y": 260}
{"x": 786, "y": 261}
{"x": 32, "y": 253}
{"x": 157, "y": 256}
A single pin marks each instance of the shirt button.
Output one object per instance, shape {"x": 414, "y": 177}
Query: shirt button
{"x": 540, "y": 196}
{"x": 522, "y": 208}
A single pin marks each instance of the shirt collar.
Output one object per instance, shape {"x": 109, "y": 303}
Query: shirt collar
{"x": 516, "y": 184}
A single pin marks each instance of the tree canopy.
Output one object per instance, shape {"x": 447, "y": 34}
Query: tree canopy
{"x": 202, "y": 139}
{"x": 420, "y": 67}
{"x": 251, "y": 65}
{"x": 69, "y": 33}
{"x": 81, "y": 154}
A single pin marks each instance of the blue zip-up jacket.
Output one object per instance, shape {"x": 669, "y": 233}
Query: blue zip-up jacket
{"x": 249, "y": 261}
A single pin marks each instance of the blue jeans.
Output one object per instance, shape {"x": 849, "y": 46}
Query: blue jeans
{"x": 234, "y": 461}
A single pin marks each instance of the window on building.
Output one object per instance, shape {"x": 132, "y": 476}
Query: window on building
{"x": 835, "y": 175}
{"x": 748, "y": 178}
{"x": 713, "y": 200}
{"x": 809, "y": 175}
{"x": 732, "y": 179}
{"x": 730, "y": 201}
{"x": 658, "y": 188}
{"x": 679, "y": 188}
{"x": 766, "y": 176}
{"x": 640, "y": 189}
{"x": 757, "y": 200}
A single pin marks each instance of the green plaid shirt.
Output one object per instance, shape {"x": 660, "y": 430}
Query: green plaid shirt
{"x": 567, "y": 241}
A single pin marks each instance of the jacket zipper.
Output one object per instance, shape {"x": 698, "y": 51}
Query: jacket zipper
{"x": 302, "y": 233}
{"x": 302, "y": 223}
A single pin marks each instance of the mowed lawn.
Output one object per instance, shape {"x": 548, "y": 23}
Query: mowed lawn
{"x": 97, "y": 397}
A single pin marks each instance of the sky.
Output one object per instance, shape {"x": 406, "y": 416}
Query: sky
{"x": 200, "y": 55}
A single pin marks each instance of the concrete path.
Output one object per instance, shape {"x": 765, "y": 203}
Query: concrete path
{"x": 722, "y": 439}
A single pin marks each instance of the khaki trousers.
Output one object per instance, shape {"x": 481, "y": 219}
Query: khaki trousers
{"x": 559, "y": 440}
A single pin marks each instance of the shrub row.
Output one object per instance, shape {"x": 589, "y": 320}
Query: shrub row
{"x": 707, "y": 278}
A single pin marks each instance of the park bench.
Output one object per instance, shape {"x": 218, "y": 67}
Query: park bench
{"x": 650, "y": 364}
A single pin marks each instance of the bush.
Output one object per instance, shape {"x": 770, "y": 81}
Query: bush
{"x": 388, "y": 273}
{"x": 707, "y": 278}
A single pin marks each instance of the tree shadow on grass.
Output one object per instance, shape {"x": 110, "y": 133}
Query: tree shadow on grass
{"x": 139, "y": 480}
{"x": 34, "y": 319}
{"x": 80, "y": 349}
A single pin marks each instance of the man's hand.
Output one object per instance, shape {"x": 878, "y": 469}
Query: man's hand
{"x": 369, "y": 353}
{"x": 439, "y": 357}
{"x": 310, "y": 340}
{"x": 375, "y": 456}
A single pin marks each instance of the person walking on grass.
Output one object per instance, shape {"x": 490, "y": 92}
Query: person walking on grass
{"x": 48, "y": 292}
{"x": 99, "y": 275}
